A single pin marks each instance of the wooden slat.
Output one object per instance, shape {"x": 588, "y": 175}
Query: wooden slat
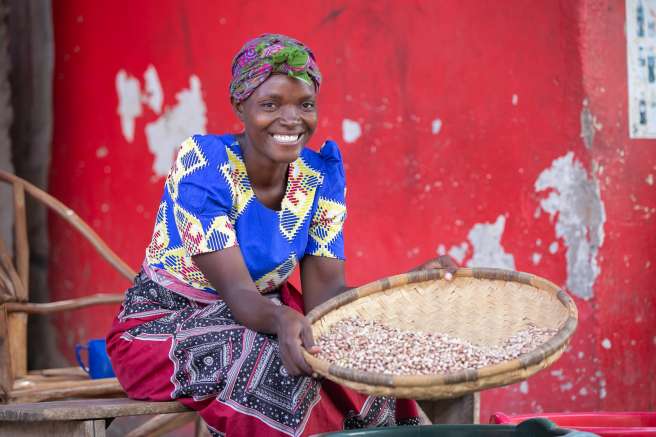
{"x": 87, "y": 428}
{"x": 84, "y": 409}
{"x": 60, "y": 371}
{"x": 66, "y": 389}
{"x": 162, "y": 424}
{"x": 6, "y": 373}
{"x": 21, "y": 242}
{"x": 68, "y": 304}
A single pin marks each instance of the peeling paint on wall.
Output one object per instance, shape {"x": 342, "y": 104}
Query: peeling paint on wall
{"x": 351, "y": 130}
{"x": 164, "y": 135}
{"x": 486, "y": 241}
{"x": 129, "y": 102}
{"x": 589, "y": 125}
{"x": 574, "y": 201}
{"x": 458, "y": 253}
{"x": 186, "y": 118}
{"x": 154, "y": 96}
{"x": 436, "y": 126}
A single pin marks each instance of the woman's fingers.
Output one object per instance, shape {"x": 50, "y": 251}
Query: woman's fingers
{"x": 308, "y": 340}
{"x": 299, "y": 361}
{"x": 287, "y": 361}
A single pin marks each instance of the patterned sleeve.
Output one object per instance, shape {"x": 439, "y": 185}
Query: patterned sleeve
{"x": 326, "y": 237}
{"x": 201, "y": 196}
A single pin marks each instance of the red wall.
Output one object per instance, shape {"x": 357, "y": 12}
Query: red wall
{"x": 508, "y": 83}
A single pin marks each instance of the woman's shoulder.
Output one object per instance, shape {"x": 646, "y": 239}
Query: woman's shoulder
{"x": 327, "y": 159}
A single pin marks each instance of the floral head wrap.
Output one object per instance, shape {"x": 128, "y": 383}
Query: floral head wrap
{"x": 267, "y": 54}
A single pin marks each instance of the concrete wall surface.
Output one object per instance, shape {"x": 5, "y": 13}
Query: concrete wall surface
{"x": 493, "y": 131}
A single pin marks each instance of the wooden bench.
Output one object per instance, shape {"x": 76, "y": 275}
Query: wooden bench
{"x": 83, "y": 417}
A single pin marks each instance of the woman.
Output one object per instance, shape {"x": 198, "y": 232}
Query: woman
{"x": 211, "y": 320}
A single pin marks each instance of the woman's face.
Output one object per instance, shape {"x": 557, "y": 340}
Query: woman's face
{"x": 279, "y": 118}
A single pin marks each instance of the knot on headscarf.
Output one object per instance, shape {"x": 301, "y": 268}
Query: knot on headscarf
{"x": 267, "y": 54}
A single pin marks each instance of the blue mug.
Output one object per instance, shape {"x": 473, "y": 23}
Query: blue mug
{"x": 99, "y": 364}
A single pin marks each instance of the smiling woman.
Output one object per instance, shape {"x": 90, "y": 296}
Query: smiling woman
{"x": 211, "y": 320}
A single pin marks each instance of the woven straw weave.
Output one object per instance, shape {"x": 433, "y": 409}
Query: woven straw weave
{"x": 482, "y": 306}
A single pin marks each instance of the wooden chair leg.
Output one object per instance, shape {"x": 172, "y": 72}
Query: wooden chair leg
{"x": 6, "y": 372}
{"x": 465, "y": 409}
{"x": 161, "y": 424}
{"x": 201, "y": 428}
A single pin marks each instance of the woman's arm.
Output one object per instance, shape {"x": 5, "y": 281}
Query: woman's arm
{"x": 321, "y": 279}
{"x": 226, "y": 271}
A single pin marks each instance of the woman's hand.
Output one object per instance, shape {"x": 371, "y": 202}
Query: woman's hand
{"x": 441, "y": 262}
{"x": 293, "y": 331}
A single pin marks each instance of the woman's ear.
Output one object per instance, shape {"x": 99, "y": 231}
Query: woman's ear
{"x": 237, "y": 108}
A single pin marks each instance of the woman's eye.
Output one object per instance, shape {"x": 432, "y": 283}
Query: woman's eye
{"x": 268, "y": 106}
{"x": 308, "y": 105}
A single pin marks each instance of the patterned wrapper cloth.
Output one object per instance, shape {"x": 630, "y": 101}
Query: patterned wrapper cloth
{"x": 269, "y": 54}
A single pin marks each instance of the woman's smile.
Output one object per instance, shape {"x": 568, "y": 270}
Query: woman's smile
{"x": 287, "y": 139}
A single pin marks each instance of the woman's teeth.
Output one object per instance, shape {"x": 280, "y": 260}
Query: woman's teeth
{"x": 286, "y": 138}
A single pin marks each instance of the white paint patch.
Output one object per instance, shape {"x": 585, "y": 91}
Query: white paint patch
{"x": 581, "y": 355}
{"x": 606, "y": 343}
{"x": 553, "y": 247}
{"x": 441, "y": 250}
{"x": 176, "y": 124}
{"x": 129, "y": 103}
{"x": 566, "y": 386}
{"x": 154, "y": 96}
{"x": 574, "y": 200}
{"x": 583, "y": 391}
{"x": 515, "y": 99}
{"x": 558, "y": 373}
{"x": 523, "y": 387}
{"x": 602, "y": 393}
{"x": 458, "y": 252}
{"x": 351, "y": 130}
{"x": 537, "y": 213}
{"x": 535, "y": 258}
{"x": 650, "y": 179}
{"x": 102, "y": 152}
{"x": 436, "y": 126}
{"x": 486, "y": 242}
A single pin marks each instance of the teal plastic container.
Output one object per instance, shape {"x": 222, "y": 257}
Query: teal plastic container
{"x": 528, "y": 428}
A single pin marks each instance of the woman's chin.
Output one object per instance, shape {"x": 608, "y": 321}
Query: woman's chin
{"x": 288, "y": 153}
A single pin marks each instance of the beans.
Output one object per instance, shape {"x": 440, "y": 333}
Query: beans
{"x": 372, "y": 346}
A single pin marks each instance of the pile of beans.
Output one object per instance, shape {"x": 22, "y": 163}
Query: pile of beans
{"x": 371, "y": 346}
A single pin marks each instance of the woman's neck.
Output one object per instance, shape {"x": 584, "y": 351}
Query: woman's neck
{"x": 268, "y": 179}
{"x": 262, "y": 172}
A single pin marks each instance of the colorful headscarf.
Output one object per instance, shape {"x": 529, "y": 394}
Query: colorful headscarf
{"x": 267, "y": 54}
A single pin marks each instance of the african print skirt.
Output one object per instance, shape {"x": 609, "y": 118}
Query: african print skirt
{"x": 164, "y": 346}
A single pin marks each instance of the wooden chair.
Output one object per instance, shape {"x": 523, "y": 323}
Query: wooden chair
{"x": 17, "y": 385}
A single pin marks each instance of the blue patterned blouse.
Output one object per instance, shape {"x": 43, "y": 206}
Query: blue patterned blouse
{"x": 209, "y": 204}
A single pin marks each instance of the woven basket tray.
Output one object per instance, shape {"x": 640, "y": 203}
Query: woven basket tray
{"x": 482, "y": 306}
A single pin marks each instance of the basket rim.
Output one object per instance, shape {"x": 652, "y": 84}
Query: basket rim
{"x": 554, "y": 345}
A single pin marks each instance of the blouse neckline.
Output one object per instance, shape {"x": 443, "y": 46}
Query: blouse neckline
{"x": 290, "y": 170}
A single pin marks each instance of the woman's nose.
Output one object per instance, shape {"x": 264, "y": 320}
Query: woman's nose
{"x": 290, "y": 115}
